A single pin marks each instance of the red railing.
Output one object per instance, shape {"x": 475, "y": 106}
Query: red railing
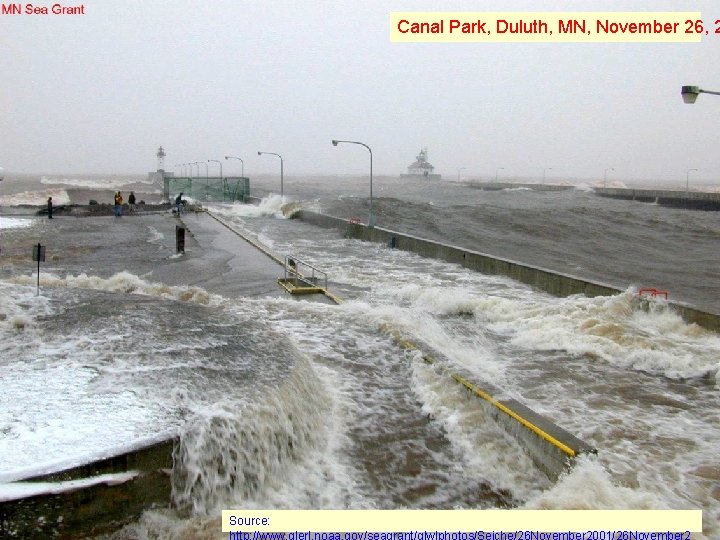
{"x": 651, "y": 291}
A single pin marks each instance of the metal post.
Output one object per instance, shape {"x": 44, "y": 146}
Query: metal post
{"x": 371, "y": 216}
{"x": 242, "y": 163}
{"x": 281, "y": 171}
{"x": 179, "y": 239}
{"x": 221, "y": 175}
{"x": 38, "y": 255}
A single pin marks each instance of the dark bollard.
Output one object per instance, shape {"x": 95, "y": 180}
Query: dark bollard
{"x": 180, "y": 239}
{"x": 393, "y": 242}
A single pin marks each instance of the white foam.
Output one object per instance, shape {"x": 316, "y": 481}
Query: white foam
{"x": 155, "y": 236}
{"x": 112, "y": 183}
{"x": 20, "y": 490}
{"x": 19, "y": 307}
{"x": 14, "y": 223}
{"x": 271, "y": 206}
{"x": 232, "y": 453}
{"x": 36, "y": 198}
{"x": 589, "y": 486}
{"x": 486, "y": 450}
{"x": 124, "y": 282}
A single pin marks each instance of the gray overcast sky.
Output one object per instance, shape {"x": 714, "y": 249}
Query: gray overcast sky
{"x": 98, "y": 93}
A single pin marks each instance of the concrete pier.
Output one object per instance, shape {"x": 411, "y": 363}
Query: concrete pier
{"x": 218, "y": 260}
{"x": 497, "y": 186}
{"x": 694, "y": 200}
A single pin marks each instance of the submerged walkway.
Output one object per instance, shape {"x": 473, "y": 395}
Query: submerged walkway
{"x": 238, "y": 268}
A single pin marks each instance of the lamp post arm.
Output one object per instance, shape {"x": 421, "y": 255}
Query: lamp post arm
{"x": 709, "y": 92}
{"x": 281, "y": 169}
{"x": 242, "y": 163}
{"x": 371, "y": 217}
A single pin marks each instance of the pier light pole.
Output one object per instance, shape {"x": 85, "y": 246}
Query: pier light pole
{"x": 497, "y": 171}
{"x": 605, "y": 177}
{"x": 219, "y": 163}
{"x": 241, "y": 162}
{"x": 281, "y": 170}
{"x": 371, "y": 216}
{"x": 544, "y": 171}
{"x": 196, "y": 163}
{"x": 691, "y": 93}
{"x": 206, "y": 177}
{"x": 687, "y": 181}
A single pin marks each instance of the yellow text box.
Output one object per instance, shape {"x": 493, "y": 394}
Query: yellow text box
{"x": 471, "y": 521}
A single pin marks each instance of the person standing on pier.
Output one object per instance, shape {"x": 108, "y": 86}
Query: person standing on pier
{"x": 179, "y": 203}
{"x": 131, "y": 200}
{"x": 50, "y": 207}
{"x": 118, "y": 204}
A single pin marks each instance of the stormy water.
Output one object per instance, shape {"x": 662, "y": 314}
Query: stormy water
{"x": 288, "y": 404}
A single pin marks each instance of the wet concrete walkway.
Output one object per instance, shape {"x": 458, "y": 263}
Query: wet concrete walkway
{"x": 221, "y": 262}
{"x": 215, "y": 258}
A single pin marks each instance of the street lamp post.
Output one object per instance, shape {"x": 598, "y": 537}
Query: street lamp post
{"x": 206, "y": 178}
{"x": 544, "y": 171}
{"x": 497, "y": 171}
{"x": 219, "y": 163}
{"x": 206, "y": 186}
{"x": 605, "y": 177}
{"x": 371, "y": 216}
{"x": 241, "y": 162}
{"x": 460, "y": 169}
{"x": 691, "y": 93}
{"x": 281, "y": 170}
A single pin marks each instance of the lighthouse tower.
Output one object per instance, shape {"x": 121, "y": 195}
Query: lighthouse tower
{"x": 161, "y": 159}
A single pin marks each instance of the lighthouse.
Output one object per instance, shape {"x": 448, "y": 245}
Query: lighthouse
{"x": 161, "y": 159}
{"x": 421, "y": 168}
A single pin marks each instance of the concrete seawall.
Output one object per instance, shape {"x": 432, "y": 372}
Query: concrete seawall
{"x": 90, "y": 499}
{"x": 695, "y": 200}
{"x": 551, "y": 282}
{"x": 552, "y": 449}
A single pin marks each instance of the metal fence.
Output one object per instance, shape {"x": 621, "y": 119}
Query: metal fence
{"x": 226, "y": 189}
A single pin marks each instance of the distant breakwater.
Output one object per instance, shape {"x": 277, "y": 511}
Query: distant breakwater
{"x": 694, "y": 200}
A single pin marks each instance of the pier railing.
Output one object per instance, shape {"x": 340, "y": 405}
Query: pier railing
{"x": 303, "y": 274}
{"x": 221, "y": 189}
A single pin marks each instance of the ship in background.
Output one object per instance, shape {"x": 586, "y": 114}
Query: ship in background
{"x": 421, "y": 168}
{"x": 2, "y": 174}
